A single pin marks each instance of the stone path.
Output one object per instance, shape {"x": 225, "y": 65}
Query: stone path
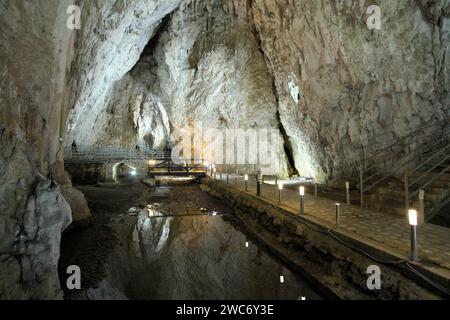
{"x": 390, "y": 230}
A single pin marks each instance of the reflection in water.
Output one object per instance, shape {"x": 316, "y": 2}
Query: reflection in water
{"x": 151, "y": 233}
{"x": 198, "y": 257}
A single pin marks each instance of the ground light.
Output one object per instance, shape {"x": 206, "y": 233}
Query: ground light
{"x": 280, "y": 187}
{"x": 246, "y": 182}
{"x": 412, "y": 215}
{"x": 281, "y": 279}
{"x": 338, "y": 205}
{"x": 347, "y": 192}
{"x": 302, "y": 200}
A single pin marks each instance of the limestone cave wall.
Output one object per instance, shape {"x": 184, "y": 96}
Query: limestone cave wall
{"x": 141, "y": 69}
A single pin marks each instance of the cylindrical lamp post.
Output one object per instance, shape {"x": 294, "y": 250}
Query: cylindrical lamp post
{"x": 258, "y": 186}
{"x": 246, "y": 182}
{"x": 338, "y": 205}
{"x": 347, "y": 192}
{"x": 280, "y": 187}
{"x": 412, "y": 215}
{"x": 302, "y": 200}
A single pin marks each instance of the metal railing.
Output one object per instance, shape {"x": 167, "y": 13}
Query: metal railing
{"x": 430, "y": 170}
{"x": 400, "y": 155}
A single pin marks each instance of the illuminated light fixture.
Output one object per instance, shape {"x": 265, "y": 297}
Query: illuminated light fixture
{"x": 281, "y": 279}
{"x": 338, "y": 205}
{"x": 412, "y": 216}
{"x": 246, "y": 177}
{"x": 151, "y": 162}
{"x": 302, "y": 200}
{"x": 246, "y": 244}
{"x": 302, "y": 191}
{"x": 133, "y": 173}
{"x": 246, "y": 182}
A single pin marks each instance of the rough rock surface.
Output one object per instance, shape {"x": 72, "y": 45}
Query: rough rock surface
{"x": 33, "y": 215}
{"x": 309, "y": 68}
{"x": 109, "y": 44}
{"x": 356, "y": 86}
{"x": 191, "y": 74}
{"x": 81, "y": 214}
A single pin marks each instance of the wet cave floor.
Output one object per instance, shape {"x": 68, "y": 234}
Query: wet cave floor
{"x": 171, "y": 242}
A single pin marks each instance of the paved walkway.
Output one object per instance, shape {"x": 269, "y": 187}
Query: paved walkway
{"x": 390, "y": 230}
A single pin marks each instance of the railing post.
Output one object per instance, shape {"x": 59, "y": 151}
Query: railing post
{"x": 406, "y": 191}
{"x": 421, "y": 206}
{"x": 361, "y": 183}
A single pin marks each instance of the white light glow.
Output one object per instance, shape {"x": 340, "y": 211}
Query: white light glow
{"x": 246, "y": 244}
{"x": 133, "y": 173}
{"x": 302, "y": 191}
{"x": 280, "y": 186}
{"x": 246, "y": 177}
{"x": 412, "y": 215}
{"x": 281, "y": 279}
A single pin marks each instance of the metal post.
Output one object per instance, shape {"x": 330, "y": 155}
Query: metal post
{"x": 347, "y": 192}
{"x": 361, "y": 183}
{"x": 315, "y": 189}
{"x": 421, "y": 206}
{"x": 414, "y": 243}
{"x": 279, "y": 196}
{"x": 337, "y": 215}
{"x": 276, "y": 180}
{"x": 258, "y": 187}
{"x": 228, "y": 177}
{"x": 406, "y": 191}
{"x": 302, "y": 205}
